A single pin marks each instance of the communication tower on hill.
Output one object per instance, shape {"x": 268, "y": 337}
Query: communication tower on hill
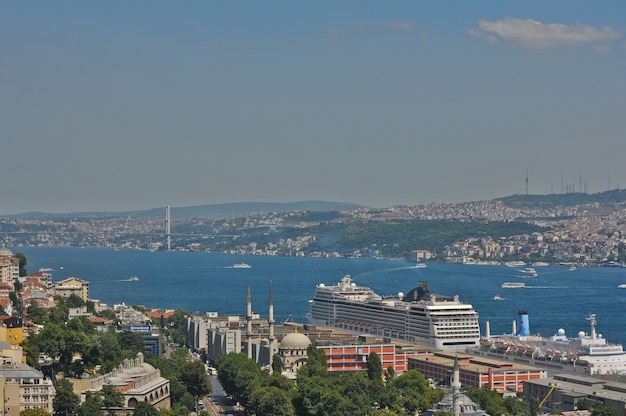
{"x": 167, "y": 228}
{"x": 526, "y": 181}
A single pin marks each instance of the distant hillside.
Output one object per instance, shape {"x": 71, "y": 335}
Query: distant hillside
{"x": 212, "y": 210}
{"x": 564, "y": 200}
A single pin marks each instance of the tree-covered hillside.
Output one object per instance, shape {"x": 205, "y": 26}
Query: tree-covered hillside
{"x": 397, "y": 239}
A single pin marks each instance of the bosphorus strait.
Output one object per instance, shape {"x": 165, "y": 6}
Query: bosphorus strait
{"x": 202, "y": 282}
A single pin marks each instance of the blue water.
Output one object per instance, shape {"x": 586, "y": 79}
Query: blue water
{"x": 203, "y": 282}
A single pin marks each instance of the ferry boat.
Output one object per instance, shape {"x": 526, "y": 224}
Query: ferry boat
{"x": 241, "y": 266}
{"x": 513, "y": 285}
{"x": 434, "y": 320}
{"x": 588, "y": 354}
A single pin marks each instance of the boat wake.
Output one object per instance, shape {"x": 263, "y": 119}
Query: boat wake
{"x": 383, "y": 271}
{"x": 546, "y": 287}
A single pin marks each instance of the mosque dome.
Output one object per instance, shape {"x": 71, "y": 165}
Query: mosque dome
{"x": 295, "y": 340}
{"x": 5, "y": 252}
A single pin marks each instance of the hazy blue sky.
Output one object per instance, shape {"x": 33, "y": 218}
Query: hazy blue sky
{"x": 118, "y": 105}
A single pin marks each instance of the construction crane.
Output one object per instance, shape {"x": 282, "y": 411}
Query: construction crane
{"x": 542, "y": 402}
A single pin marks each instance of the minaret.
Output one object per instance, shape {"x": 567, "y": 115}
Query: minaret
{"x": 456, "y": 389}
{"x": 271, "y": 323}
{"x": 249, "y": 321}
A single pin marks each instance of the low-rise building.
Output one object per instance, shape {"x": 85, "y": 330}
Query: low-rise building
{"x": 72, "y": 286}
{"x": 475, "y": 371}
{"x": 138, "y": 381}
{"x": 562, "y": 392}
{"x": 21, "y": 386}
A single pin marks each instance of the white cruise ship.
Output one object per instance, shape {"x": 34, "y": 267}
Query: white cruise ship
{"x": 588, "y": 354}
{"x": 429, "y": 319}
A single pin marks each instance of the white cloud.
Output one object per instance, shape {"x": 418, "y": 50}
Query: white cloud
{"x": 534, "y": 34}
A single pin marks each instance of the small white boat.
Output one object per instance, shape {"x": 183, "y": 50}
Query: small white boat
{"x": 420, "y": 266}
{"x": 513, "y": 285}
{"x": 529, "y": 272}
{"x": 133, "y": 279}
{"x": 622, "y": 286}
{"x": 572, "y": 268}
{"x": 241, "y": 266}
{"x": 498, "y": 297}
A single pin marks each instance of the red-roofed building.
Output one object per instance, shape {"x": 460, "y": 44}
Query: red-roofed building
{"x": 34, "y": 285}
{"x": 158, "y": 313}
{"x": 99, "y": 322}
{"x": 43, "y": 277}
{"x": 43, "y": 299}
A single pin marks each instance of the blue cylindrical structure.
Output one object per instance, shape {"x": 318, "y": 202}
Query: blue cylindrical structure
{"x": 523, "y": 328}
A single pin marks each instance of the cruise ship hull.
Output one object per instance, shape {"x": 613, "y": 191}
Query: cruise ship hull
{"x": 436, "y": 321}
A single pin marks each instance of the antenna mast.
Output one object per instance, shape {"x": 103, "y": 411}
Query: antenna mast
{"x": 167, "y": 228}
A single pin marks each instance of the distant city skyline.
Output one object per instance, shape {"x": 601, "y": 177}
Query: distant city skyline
{"x": 126, "y": 106}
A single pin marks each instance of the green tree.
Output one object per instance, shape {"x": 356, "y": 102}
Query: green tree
{"x": 277, "y": 364}
{"x": 489, "y": 400}
{"x": 533, "y": 406}
{"x": 583, "y": 404}
{"x": 91, "y": 406}
{"x": 316, "y": 363}
{"x": 36, "y": 313}
{"x": 35, "y": 412}
{"x": 65, "y": 401}
{"x": 271, "y": 401}
{"x": 415, "y": 393}
{"x": 74, "y": 301}
{"x": 361, "y": 393}
{"x": 58, "y": 315}
{"x": 374, "y": 368}
{"x": 111, "y": 399}
{"x": 195, "y": 379}
{"x": 177, "y": 391}
{"x": 108, "y": 350}
{"x": 513, "y": 406}
{"x": 23, "y": 262}
{"x": 604, "y": 411}
{"x": 145, "y": 409}
{"x": 131, "y": 343}
{"x": 180, "y": 357}
{"x": 386, "y": 412}
{"x": 175, "y": 326}
{"x": 317, "y": 396}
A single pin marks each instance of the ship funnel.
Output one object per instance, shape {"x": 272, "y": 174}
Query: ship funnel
{"x": 523, "y": 328}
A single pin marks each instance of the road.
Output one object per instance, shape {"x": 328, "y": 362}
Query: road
{"x": 218, "y": 404}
